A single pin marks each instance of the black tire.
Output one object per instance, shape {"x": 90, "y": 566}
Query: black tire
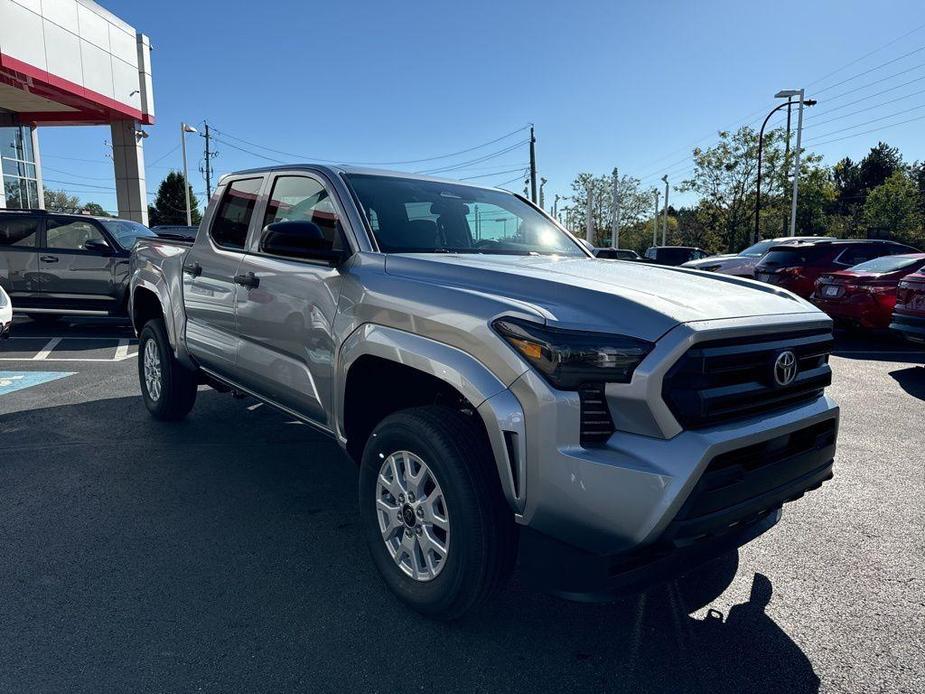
{"x": 483, "y": 541}
{"x": 177, "y": 383}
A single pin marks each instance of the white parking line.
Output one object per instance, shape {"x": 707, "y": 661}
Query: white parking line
{"x": 121, "y": 345}
{"x": 121, "y": 350}
{"x": 878, "y": 352}
{"x": 42, "y": 355}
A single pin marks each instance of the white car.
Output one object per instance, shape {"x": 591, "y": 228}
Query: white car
{"x": 6, "y": 314}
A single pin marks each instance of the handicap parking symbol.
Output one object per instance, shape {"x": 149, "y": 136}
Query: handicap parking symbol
{"x": 11, "y": 381}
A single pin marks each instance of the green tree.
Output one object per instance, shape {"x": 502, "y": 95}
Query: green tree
{"x": 95, "y": 209}
{"x": 892, "y": 209}
{"x": 170, "y": 204}
{"x": 634, "y": 204}
{"x": 60, "y": 201}
{"x": 817, "y": 196}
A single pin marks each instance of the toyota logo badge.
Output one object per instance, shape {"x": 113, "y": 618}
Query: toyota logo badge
{"x": 785, "y": 368}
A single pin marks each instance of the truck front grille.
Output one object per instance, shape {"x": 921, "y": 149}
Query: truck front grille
{"x": 723, "y": 380}
{"x": 596, "y": 424}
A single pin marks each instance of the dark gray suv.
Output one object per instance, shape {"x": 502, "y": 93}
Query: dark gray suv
{"x": 66, "y": 264}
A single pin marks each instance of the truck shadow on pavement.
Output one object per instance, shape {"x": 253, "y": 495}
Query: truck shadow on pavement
{"x": 911, "y": 380}
{"x": 224, "y": 553}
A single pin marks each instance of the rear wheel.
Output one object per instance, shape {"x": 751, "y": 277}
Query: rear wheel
{"x": 438, "y": 526}
{"x": 167, "y": 387}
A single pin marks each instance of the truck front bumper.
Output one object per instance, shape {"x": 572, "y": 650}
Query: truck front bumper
{"x": 636, "y": 492}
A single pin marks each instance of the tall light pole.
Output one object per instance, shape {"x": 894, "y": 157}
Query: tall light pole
{"x": 615, "y": 231}
{"x": 589, "y": 215}
{"x": 542, "y": 199}
{"x": 796, "y": 169}
{"x": 655, "y": 220}
{"x": 665, "y": 222}
{"x": 780, "y": 95}
{"x": 184, "y": 128}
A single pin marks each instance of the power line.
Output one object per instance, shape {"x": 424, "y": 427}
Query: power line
{"x": 465, "y": 164}
{"x": 871, "y": 96}
{"x": 373, "y": 163}
{"x": 866, "y": 55}
{"x": 875, "y": 83}
{"x": 494, "y": 173}
{"x": 162, "y": 157}
{"x": 867, "y": 122}
{"x": 862, "y": 110}
{"x": 869, "y": 70}
{"x": 866, "y": 132}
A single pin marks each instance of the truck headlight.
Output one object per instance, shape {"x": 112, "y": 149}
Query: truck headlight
{"x": 568, "y": 358}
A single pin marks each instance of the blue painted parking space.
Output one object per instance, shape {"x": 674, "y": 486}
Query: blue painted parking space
{"x": 11, "y": 381}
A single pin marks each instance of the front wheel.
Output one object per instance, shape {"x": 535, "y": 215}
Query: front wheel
{"x": 437, "y": 524}
{"x": 167, "y": 387}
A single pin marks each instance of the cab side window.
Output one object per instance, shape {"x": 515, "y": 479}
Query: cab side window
{"x": 20, "y": 231}
{"x": 70, "y": 234}
{"x": 229, "y": 228}
{"x": 303, "y": 199}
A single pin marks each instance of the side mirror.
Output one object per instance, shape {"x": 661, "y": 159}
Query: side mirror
{"x": 298, "y": 239}
{"x": 98, "y": 246}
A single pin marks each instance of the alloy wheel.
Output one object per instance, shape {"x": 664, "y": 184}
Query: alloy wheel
{"x": 413, "y": 517}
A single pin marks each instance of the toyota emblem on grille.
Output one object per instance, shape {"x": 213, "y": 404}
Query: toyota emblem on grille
{"x": 785, "y": 368}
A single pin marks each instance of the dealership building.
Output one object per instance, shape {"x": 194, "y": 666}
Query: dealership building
{"x": 73, "y": 63}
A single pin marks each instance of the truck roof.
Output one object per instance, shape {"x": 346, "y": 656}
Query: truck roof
{"x": 337, "y": 169}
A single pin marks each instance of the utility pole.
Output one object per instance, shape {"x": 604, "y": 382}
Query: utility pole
{"x": 542, "y": 199}
{"x": 796, "y": 169}
{"x": 655, "y": 220}
{"x": 589, "y": 218}
{"x": 615, "y": 232}
{"x": 665, "y": 223}
{"x": 532, "y": 166}
{"x": 207, "y": 163}
{"x": 555, "y": 206}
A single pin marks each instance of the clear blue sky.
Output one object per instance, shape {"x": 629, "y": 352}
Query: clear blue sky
{"x": 630, "y": 83}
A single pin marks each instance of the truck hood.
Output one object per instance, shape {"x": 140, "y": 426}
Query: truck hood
{"x": 605, "y": 295}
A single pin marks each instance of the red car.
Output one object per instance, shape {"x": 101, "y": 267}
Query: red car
{"x": 798, "y": 267}
{"x": 865, "y": 294}
{"x": 909, "y": 316}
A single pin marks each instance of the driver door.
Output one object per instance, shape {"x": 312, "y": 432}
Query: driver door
{"x": 285, "y": 310}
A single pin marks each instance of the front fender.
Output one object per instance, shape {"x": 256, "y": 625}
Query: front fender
{"x": 496, "y": 405}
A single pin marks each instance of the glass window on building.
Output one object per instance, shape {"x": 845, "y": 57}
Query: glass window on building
{"x": 17, "y": 163}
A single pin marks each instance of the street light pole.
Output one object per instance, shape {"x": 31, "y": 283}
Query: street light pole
{"x": 184, "y": 128}
{"x": 796, "y": 169}
{"x": 787, "y": 153}
{"x": 615, "y": 232}
{"x": 665, "y": 222}
{"x": 783, "y": 93}
{"x": 589, "y": 219}
{"x": 655, "y": 220}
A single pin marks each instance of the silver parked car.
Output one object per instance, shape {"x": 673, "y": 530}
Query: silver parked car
{"x": 505, "y": 394}
{"x": 742, "y": 264}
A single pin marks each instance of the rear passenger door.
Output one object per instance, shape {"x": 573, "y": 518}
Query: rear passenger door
{"x": 19, "y": 235}
{"x": 209, "y": 270}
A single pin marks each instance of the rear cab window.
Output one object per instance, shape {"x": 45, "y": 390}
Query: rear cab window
{"x": 233, "y": 217}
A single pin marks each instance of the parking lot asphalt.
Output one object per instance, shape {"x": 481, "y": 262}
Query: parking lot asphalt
{"x": 223, "y": 554}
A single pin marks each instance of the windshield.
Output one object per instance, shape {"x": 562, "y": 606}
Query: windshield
{"x": 888, "y": 263}
{"x": 416, "y": 216}
{"x": 126, "y": 232}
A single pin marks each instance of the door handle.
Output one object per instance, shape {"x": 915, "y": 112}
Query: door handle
{"x": 49, "y": 259}
{"x": 194, "y": 269}
{"x": 249, "y": 280}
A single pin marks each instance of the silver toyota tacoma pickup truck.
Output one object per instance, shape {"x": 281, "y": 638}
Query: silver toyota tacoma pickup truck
{"x": 509, "y": 398}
